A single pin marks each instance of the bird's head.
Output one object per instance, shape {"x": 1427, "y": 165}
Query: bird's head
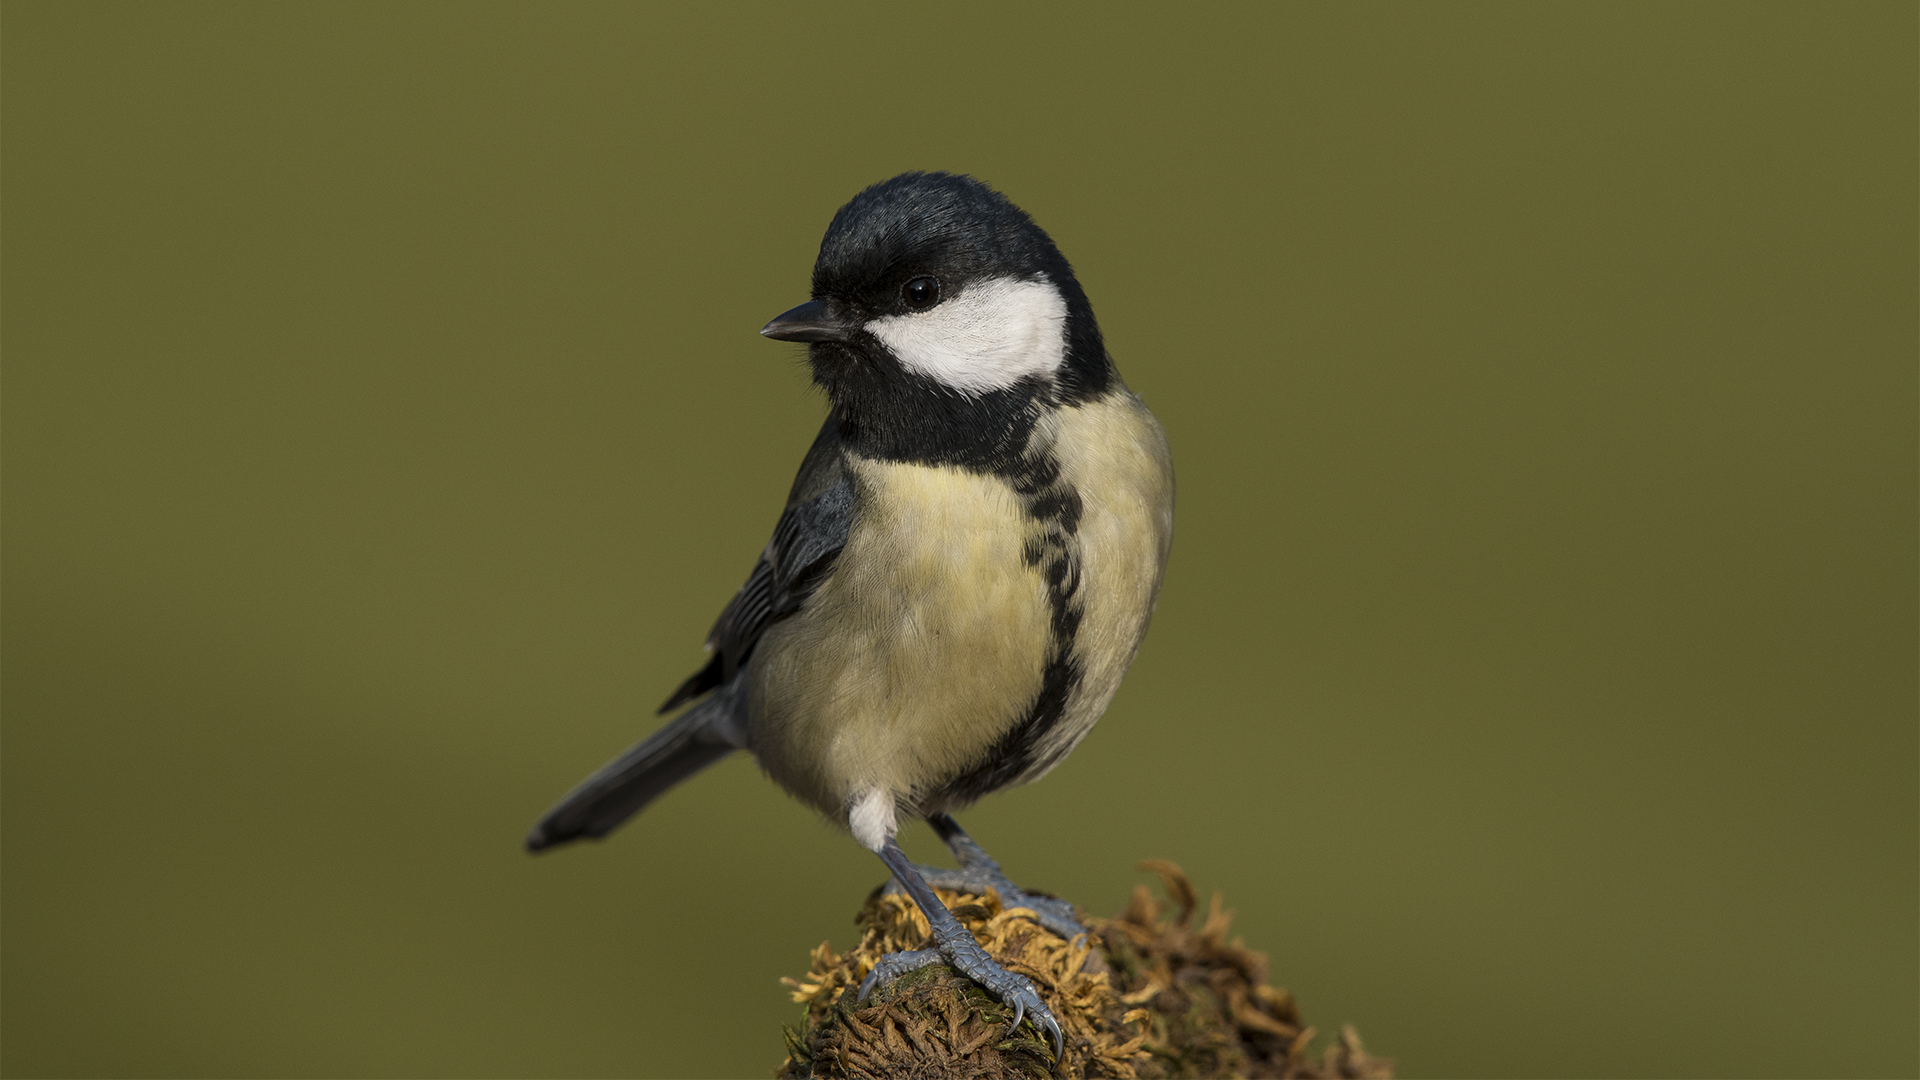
{"x": 933, "y": 291}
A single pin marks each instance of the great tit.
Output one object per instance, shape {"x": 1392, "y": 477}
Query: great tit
{"x": 965, "y": 566}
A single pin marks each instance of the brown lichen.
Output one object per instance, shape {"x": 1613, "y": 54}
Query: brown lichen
{"x": 1141, "y": 996}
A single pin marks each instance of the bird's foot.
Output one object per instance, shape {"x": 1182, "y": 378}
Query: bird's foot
{"x": 956, "y": 947}
{"x": 1055, "y": 915}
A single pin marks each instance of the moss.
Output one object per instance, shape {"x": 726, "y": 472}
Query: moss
{"x": 1142, "y": 995}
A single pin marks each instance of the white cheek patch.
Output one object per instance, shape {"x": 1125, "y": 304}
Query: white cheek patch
{"x": 990, "y": 336}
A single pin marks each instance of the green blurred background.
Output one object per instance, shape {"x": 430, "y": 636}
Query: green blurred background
{"x": 385, "y": 422}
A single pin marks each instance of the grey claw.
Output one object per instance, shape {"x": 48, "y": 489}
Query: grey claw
{"x": 1041, "y": 1018}
{"x": 1045, "y": 1025}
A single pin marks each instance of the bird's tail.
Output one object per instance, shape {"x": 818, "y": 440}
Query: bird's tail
{"x": 622, "y": 786}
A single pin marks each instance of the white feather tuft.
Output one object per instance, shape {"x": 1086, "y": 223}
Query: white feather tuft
{"x": 871, "y": 819}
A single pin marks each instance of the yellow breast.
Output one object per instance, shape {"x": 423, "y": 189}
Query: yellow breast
{"x": 924, "y": 646}
{"x": 929, "y": 642}
{"x": 1114, "y": 454}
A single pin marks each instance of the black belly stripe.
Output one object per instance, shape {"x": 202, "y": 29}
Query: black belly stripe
{"x": 1056, "y": 507}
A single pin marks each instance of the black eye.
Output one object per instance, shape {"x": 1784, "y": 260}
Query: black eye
{"x": 921, "y": 292}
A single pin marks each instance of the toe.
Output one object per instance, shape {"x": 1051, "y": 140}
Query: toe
{"x": 1059, "y": 1039}
{"x": 1026, "y": 1003}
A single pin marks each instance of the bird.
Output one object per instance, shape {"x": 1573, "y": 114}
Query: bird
{"x": 964, "y": 569}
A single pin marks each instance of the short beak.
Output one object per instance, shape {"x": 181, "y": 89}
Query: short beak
{"x": 808, "y": 322}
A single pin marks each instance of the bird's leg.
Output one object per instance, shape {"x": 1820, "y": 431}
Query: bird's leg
{"x": 954, "y": 945}
{"x": 978, "y": 873}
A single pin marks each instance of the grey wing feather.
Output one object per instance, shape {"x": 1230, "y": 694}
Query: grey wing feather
{"x": 810, "y": 534}
{"x": 807, "y": 539}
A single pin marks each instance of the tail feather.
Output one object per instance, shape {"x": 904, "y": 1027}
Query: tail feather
{"x": 622, "y": 786}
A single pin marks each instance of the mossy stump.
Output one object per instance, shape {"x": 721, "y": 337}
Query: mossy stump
{"x": 1141, "y": 995}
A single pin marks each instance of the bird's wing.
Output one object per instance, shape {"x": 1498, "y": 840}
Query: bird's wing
{"x": 808, "y": 538}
